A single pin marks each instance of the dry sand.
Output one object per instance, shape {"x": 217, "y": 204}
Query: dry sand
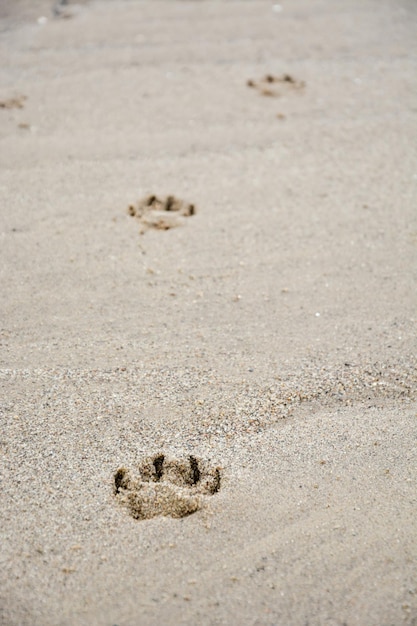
{"x": 252, "y": 369}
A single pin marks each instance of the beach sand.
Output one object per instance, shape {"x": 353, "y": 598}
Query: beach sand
{"x": 208, "y": 416}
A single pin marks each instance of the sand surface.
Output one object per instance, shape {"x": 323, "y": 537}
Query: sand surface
{"x": 247, "y": 366}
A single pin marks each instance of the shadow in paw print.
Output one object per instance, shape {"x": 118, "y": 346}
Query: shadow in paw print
{"x": 160, "y": 213}
{"x": 162, "y": 486}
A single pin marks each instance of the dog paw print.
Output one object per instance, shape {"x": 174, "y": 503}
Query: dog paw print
{"x": 17, "y": 102}
{"x": 163, "y": 486}
{"x": 271, "y": 85}
{"x": 160, "y": 213}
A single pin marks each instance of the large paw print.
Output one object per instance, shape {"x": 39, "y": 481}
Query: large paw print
{"x": 162, "y": 486}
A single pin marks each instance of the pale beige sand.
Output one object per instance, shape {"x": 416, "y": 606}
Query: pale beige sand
{"x": 271, "y": 334}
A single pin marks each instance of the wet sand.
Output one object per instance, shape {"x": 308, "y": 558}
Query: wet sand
{"x": 247, "y": 367}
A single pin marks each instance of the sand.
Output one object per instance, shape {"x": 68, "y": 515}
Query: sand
{"x": 208, "y": 416}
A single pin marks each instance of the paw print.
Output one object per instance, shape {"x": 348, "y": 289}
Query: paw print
{"x": 162, "y": 486}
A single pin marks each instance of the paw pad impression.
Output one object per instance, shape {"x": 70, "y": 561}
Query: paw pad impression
{"x": 160, "y": 213}
{"x": 266, "y": 86}
{"x": 169, "y": 487}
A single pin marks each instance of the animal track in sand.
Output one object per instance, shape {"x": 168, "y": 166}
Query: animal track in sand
{"x": 13, "y": 103}
{"x": 267, "y": 85}
{"x": 160, "y": 213}
{"x": 163, "y": 486}
{"x": 66, "y": 9}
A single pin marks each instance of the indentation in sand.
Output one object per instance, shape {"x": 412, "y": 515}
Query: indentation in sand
{"x": 266, "y": 86}
{"x": 16, "y": 102}
{"x": 161, "y": 213}
{"x": 163, "y": 486}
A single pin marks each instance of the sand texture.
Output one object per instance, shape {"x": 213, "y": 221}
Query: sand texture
{"x": 208, "y": 255}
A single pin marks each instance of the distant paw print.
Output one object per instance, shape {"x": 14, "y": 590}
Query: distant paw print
{"x": 267, "y": 85}
{"x": 169, "y": 487}
{"x": 160, "y": 213}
